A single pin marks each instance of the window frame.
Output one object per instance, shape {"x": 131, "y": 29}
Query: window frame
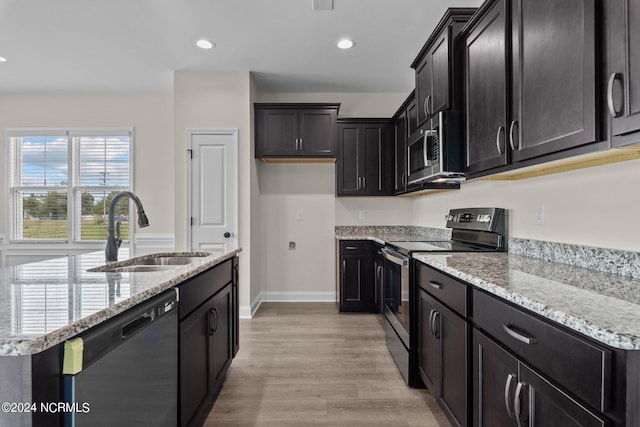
{"x": 72, "y": 188}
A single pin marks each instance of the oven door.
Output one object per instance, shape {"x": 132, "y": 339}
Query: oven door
{"x": 396, "y": 293}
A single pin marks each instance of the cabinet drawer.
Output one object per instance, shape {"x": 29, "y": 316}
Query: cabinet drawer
{"x": 574, "y": 363}
{"x": 446, "y": 289}
{"x": 353, "y": 247}
{"x": 198, "y": 289}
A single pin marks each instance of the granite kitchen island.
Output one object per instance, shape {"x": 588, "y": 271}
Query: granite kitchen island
{"x": 46, "y": 303}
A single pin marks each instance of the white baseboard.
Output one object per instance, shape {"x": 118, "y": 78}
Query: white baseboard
{"x": 298, "y": 296}
{"x": 247, "y": 312}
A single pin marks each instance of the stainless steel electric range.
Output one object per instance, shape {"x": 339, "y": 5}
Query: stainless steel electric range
{"x": 472, "y": 230}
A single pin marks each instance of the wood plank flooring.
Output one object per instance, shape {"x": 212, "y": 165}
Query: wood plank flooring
{"x": 304, "y": 364}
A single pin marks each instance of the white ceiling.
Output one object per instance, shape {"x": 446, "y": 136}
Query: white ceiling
{"x": 136, "y": 45}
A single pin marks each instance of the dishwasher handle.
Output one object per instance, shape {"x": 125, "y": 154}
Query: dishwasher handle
{"x": 135, "y": 325}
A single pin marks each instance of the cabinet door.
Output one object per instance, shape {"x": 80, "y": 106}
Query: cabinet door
{"x": 623, "y": 89}
{"x": 549, "y": 407}
{"x": 400, "y": 136}
{"x": 317, "y": 133}
{"x": 452, "y": 332}
{"x": 440, "y": 66}
{"x": 376, "y": 159}
{"x": 277, "y": 132}
{"x": 423, "y": 88}
{"x": 486, "y": 91}
{"x": 428, "y": 344}
{"x": 412, "y": 117}
{"x": 356, "y": 290}
{"x": 222, "y": 345}
{"x": 196, "y": 392}
{"x": 495, "y": 376}
{"x": 554, "y": 76}
{"x": 349, "y": 163}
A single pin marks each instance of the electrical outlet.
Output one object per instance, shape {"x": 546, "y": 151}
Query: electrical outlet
{"x": 300, "y": 215}
{"x": 361, "y": 215}
{"x": 538, "y": 214}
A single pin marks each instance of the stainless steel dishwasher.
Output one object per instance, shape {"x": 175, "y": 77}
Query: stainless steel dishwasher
{"x": 129, "y": 369}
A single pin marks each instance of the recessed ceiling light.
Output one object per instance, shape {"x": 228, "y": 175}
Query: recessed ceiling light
{"x": 205, "y": 44}
{"x": 345, "y": 44}
{"x": 3, "y": 59}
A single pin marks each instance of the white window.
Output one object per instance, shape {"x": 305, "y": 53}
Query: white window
{"x": 62, "y": 182}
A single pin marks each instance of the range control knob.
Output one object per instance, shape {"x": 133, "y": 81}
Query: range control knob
{"x": 448, "y": 217}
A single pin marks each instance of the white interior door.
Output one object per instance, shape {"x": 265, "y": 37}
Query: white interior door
{"x": 213, "y": 173}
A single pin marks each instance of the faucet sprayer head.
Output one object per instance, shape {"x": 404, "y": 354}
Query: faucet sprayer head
{"x": 143, "y": 221}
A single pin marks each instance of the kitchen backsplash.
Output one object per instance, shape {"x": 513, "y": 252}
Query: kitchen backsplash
{"x": 615, "y": 261}
{"x": 624, "y": 263}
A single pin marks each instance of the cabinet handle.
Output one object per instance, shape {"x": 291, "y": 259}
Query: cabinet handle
{"x": 612, "y": 108}
{"x": 436, "y": 329}
{"x": 210, "y": 321}
{"x": 351, "y": 248}
{"x": 344, "y": 266}
{"x": 364, "y": 182}
{"x": 431, "y": 316}
{"x": 516, "y": 405}
{"x": 301, "y": 141}
{"x": 216, "y": 318}
{"x": 513, "y": 145}
{"x": 507, "y": 394}
{"x": 518, "y": 335}
{"x": 435, "y": 285}
{"x": 424, "y": 107}
{"x": 500, "y": 130}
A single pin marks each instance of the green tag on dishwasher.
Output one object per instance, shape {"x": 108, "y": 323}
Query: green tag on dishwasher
{"x": 72, "y": 362}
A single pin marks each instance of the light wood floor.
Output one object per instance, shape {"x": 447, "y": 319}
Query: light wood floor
{"x": 304, "y": 364}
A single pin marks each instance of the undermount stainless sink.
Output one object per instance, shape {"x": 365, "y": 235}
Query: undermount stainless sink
{"x": 167, "y": 260}
{"x": 160, "y": 262}
{"x": 141, "y": 268}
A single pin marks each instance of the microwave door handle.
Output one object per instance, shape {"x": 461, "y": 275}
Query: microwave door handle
{"x": 424, "y": 149}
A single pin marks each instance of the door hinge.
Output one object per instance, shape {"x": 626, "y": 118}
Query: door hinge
{"x": 190, "y": 151}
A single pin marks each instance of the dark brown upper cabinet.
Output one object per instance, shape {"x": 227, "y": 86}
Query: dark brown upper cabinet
{"x": 436, "y": 67}
{"x": 401, "y": 131}
{"x": 286, "y": 131}
{"x": 530, "y": 81}
{"x": 364, "y": 166}
{"x": 623, "y": 83}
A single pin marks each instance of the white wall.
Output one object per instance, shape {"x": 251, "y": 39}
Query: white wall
{"x": 598, "y": 206}
{"x": 151, "y": 116}
{"x": 308, "y": 272}
{"x": 218, "y": 100}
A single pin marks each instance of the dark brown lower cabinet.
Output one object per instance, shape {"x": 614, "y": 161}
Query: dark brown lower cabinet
{"x": 357, "y": 279}
{"x": 442, "y": 357}
{"x": 506, "y": 392}
{"x": 208, "y": 339}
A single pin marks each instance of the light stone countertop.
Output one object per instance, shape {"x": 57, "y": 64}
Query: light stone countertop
{"x": 45, "y": 303}
{"x": 600, "y": 305}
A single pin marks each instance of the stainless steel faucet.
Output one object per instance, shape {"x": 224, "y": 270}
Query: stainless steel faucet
{"x": 113, "y": 240}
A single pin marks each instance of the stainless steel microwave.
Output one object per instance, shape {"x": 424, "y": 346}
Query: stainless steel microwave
{"x": 435, "y": 151}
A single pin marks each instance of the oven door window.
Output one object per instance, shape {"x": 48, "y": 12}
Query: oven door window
{"x": 396, "y": 297}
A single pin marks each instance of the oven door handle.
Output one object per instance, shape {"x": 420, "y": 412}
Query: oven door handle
{"x": 395, "y": 257}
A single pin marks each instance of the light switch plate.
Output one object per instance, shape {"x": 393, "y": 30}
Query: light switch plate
{"x": 300, "y": 215}
{"x": 538, "y": 214}
{"x": 361, "y": 214}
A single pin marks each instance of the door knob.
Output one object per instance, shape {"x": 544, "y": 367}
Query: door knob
{"x": 227, "y": 235}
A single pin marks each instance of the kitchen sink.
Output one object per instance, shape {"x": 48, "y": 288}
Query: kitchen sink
{"x": 167, "y": 260}
{"x": 159, "y": 262}
{"x": 140, "y": 268}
